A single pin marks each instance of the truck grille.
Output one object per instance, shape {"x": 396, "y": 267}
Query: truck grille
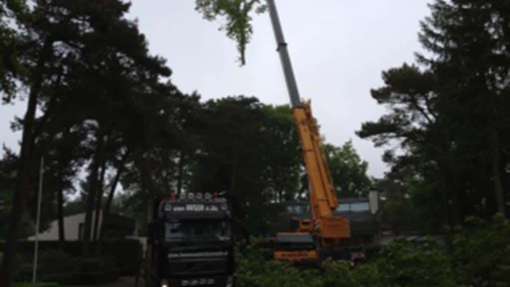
{"x": 198, "y": 266}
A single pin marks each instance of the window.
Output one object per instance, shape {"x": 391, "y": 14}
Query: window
{"x": 343, "y": 208}
{"x": 197, "y": 229}
{"x": 360, "y": 207}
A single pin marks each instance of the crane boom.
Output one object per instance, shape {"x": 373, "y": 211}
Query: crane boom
{"x": 290, "y": 79}
{"x": 329, "y": 229}
{"x": 325, "y": 199}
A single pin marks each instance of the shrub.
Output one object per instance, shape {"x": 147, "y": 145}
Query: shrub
{"x": 52, "y": 284}
{"x": 127, "y": 254}
{"x": 95, "y": 270}
{"x": 404, "y": 263}
{"x": 399, "y": 264}
{"x": 56, "y": 263}
{"x": 343, "y": 274}
{"x": 58, "y": 266}
{"x": 482, "y": 252}
{"x": 255, "y": 270}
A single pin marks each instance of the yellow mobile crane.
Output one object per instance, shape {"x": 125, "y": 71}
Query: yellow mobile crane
{"x": 324, "y": 234}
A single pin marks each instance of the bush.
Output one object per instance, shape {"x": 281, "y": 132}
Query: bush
{"x": 404, "y": 263}
{"x": 400, "y": 264}
{"x": 56, "y": 263}
{"x": 37, "y": 285}
{"x": 95, "y": 270}
{"x": 254, "y": 270}
{"x": 127, "y": 254}
{"x": 58, "y": 266}
{"x": 342, "y": 274}
{"x": 482, "y": 252}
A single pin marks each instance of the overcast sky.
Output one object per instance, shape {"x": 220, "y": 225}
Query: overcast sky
{"x": 338, "y": 47}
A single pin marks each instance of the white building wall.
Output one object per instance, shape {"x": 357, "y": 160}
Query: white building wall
{"x": 71, "y": 227}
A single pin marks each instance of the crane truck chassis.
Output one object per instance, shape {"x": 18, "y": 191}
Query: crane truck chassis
{"x": 190, "y": 243}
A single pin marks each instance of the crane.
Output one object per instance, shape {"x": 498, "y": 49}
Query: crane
{"x": 324, "y": 233}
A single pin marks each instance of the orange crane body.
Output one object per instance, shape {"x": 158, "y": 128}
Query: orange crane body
{"x": 328, "y": 230}
{"x": 324, "y": 231}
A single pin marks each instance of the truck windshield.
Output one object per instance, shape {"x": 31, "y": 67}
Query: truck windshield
{"x": 197, "y": 230}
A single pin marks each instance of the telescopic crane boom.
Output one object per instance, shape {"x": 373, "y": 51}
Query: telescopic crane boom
{"x": 327, "y": 230}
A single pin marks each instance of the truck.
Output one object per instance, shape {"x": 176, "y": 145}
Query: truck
{"x": 362, "y": 214}
{"x": 325, "y": 234}
{"x": 190, "y": 242}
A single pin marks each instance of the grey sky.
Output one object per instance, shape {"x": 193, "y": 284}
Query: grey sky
{"x": 338, "y": 47}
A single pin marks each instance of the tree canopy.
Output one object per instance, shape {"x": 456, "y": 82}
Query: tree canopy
{"x": 448, "y": 111}
{"x": 348, "y": 170}
{"x": 105, "y": 116}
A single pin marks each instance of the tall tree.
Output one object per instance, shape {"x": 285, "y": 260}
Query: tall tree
{"x": 38, "y": 59}
{"x": 84, "y": 61}
{"x": 251, "y": 152}
{"x": 449, "y": 113}
{"x": 348, "y": 171}
{"x": 11, "y": 12}
{"x": 473, "y": 64}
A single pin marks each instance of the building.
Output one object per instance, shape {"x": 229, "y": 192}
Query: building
{"x": 117, "y": 227}
{"x": 362, "y": 214}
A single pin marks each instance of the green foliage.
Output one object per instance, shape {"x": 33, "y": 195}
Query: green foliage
{"x": 342, "y": 274}
{"x": 410, "y": 205}
{"x": 44, "y": 284}
{"x": 251, "y": 151}
{"x": 482, "y": 252}
{"x": 237, "y": 14}
{"x": 449, "y": 113}
{"x": 58, "y": 266}
{"x": 56, "y": 263}
{"x": 10, "y": 41}
{"x": 254, "y": 270}
{"x": 348, "y": 170}
{"x": 402, "y": 264}
{"x": 126, "y": 254}
{"x": 415, "y": 264}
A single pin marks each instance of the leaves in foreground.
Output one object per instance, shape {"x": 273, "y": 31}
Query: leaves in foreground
{"x": 237, "y": 15}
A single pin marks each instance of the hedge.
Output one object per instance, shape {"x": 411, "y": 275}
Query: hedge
{"x": 37, "y": 285}
{"x": 478, "y": 255}
{"x": 401, "y": 264}
{"x": 58, "y": 266}
{"x": 127, "y": 254}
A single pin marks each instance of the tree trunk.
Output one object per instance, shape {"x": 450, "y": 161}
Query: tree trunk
{"x": 496, "y": 172}
{"x": 60, "y": 212}
{"x": 111, "y": 194}
{"x": 180, "y": 173}
{"x": 99, "y": 200}
{"x": 91, "y": 197}
{"x": 60, "y": 193}
{"x": 150, "y": 197}
{"x": 23, "y": 181}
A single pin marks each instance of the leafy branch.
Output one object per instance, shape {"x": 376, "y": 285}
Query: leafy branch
{"x": 238, "y": 19}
